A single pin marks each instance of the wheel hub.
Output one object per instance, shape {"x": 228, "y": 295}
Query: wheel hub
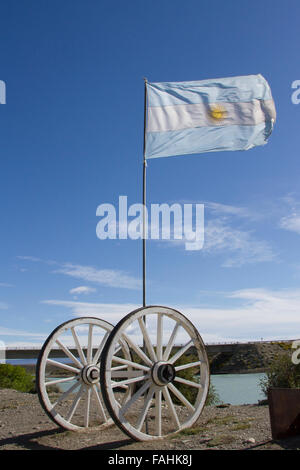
{"x": 163, "y": 373}
{"x": 90, "y": 374}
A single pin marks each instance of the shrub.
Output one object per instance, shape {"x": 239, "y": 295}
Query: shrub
{"x": 16, "y": 377}
{"x": 212, "y": 396}
{"x": 281, "y": 373}
{"x": 189, "y": 392}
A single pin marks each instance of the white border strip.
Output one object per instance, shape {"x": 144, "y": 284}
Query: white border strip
{"x": 187, "y": 116}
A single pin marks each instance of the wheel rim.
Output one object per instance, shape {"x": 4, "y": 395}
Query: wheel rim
{"x": 68, "y": 374}
{"x": 165, "y": 402}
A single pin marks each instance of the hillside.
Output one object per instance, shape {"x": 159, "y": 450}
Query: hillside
{"x": 252, "y": 357}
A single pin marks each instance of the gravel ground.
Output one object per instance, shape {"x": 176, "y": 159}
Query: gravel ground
{"x": 24, "y": 426}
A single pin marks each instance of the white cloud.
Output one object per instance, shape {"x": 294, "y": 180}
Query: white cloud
{"x": 82, "y": 290}
{"x": 262, "y": 314}
{"x": 107, "y": 277}
{"x": 20, "y": 338}
{"x": 259, "y": 313}
{"x": 34, "y": 259}
{"x": 224, "y": 236}
{"x": 5, "y": 284}
{"x": 30, "y": 258}
{"x": 109, "y": 312}
{"x": 291, "y": 222}
{"x": 225, "y": 209}
{"x": 252, "y": 314}
{"x": 12, "y": 332}
{"x": 241, "y": 245}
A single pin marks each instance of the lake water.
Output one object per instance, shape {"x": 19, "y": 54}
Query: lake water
{"x": 238, "y": 389}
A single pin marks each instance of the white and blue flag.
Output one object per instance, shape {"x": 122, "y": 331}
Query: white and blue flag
{"x": 234, "y": 113}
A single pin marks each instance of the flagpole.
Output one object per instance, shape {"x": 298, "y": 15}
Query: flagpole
{"x": 144, "y": 195}
{"x": 144, "y": 220}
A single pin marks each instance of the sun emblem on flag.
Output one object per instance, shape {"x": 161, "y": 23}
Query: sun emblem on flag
{"x": 217, "y": 112}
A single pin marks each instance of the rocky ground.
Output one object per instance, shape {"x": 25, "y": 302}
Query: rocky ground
{"x": 24, "y": 426}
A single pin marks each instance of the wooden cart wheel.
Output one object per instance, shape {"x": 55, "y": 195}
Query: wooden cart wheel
{"x": 68, "y": 373}
{"x": 169, "y": 366}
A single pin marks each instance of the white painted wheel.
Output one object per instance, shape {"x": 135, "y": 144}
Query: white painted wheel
{"x": 169, "y": 366}
{"x": 68, "y": 373}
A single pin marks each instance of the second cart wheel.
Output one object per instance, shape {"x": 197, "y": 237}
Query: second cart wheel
{"x": 68, "y": 373}
{"x": 169, "y": 366}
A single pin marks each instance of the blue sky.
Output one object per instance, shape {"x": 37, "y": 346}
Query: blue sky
{"x": 72, "y": 138}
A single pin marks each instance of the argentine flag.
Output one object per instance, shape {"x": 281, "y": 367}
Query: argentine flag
{"x": 234, "y": 113}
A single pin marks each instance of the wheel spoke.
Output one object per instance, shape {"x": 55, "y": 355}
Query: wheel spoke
{"x": 187, "y": 366}
{"x": 126, "y": 374}
{"x": 120, "y": 386}
{"x": 135, "y": 397}
{"x": 68, "y": 353}
{"x": 181, "y": 352}
{"x": 181, "y": 397}
{"x": 118, "y": 348}
{"x": 99, "y": 404}
{"x": 99, "y": 350}
{"x": 66, "y": 394}
{"x": 171, "y": 342}
{"x": 188, "y": 382}
{"x": 129, "y": 381}
{"x": 59, "y": 381}
{"x": 87, "y": 407}
{"x": 158, "y": 412}
{"x": 129, "y": 363}
{"x": 171, "y": 406}
{"x": 145, "y": 409}
{"x": 118, "y": 368}
{"x": 78, "y": 347}
{"x": 159, "y": 336}
{"x": 137, "y": 350}
{"x": 75, "y": 404}
{"x": 90, "y": 344}
{"x": 147, "y": 340}
{"x": 63, "y": 366}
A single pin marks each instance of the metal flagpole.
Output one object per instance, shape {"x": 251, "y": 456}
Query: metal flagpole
{"x": 144, "y": 196}
{"x": 144, "y": 221}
